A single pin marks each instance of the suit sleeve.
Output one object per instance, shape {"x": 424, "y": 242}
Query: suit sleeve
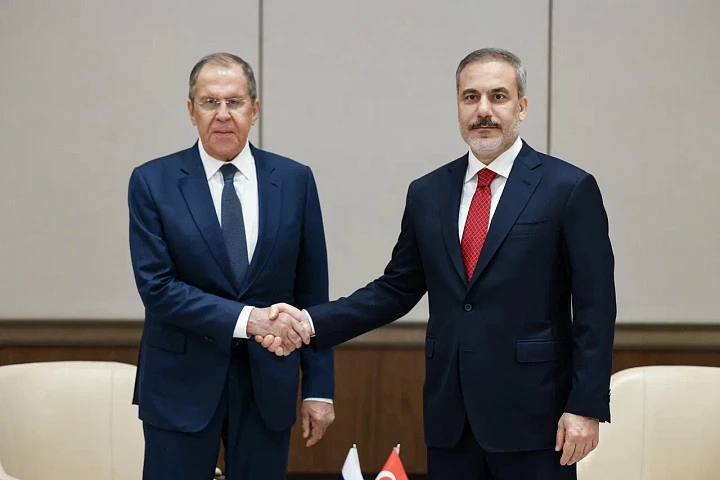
{"x": 163, "y": 295}
{"x": 386, "y": 299}
{"x": 311, "y": 288}
{"x": 590, "y": 268}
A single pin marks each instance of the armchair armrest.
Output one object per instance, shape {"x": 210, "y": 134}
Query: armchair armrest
{"x": 6, "y": 476}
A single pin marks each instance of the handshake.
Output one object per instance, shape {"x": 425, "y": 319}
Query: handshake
{"x": 281, "y": 328}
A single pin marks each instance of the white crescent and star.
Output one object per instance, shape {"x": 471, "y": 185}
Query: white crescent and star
{"x": 385, "y": 475}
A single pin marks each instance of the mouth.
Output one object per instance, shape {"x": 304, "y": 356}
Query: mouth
{"x": 483, "y": 130}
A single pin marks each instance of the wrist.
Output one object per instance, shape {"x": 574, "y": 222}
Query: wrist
{"x": 255, "y": 320}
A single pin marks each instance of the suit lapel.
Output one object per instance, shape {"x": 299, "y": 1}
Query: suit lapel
{"x": 521, "y": 184}
{"x": 269, "y": 209}
{"x": 449, "y": 200}
{"x": 194, "y": 188}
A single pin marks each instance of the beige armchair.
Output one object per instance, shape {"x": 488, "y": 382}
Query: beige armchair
{"x": 69, "y": 421}
{"x": 665, "y": 426}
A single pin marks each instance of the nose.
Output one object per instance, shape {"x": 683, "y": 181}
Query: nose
{"x": 484, "y": 107}
{"x": 223, "y": 113}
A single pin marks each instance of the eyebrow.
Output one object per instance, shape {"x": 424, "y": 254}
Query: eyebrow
{"x": 494, "y": 90}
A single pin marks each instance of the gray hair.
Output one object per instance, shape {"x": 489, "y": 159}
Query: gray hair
{"x": 499, "y": 55}
{"x": 227, "y": 60}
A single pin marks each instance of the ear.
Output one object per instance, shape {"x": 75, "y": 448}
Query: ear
{"x": 255, "y": 111}
{"x": 191, "y": 111}
{"x": 522, "y": 107}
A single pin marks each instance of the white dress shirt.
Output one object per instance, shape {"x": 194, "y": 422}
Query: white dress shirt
{"x": 246, "y": 187}
{"x": 501, "y": 166}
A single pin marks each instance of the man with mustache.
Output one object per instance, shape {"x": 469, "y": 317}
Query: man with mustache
{"x": 512, "y": 247}
{"x": 217, "y": 232}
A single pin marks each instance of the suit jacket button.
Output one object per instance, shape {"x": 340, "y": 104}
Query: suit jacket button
{"x": 468, "y": 307}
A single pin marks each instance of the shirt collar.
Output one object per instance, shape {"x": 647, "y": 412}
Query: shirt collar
{"x": 501, "y": 165}
{"x": 244, "y": 161}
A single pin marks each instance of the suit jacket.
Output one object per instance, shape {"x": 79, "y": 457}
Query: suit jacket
{"x": 530, "y": 335}
{"x": 183, "y": 275}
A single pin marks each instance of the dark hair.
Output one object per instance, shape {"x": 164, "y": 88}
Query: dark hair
{"x": 224, "y": 60}
{"x": 496, "y": 54}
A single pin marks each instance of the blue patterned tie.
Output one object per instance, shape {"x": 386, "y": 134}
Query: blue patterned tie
{"x": 233, "y": 226}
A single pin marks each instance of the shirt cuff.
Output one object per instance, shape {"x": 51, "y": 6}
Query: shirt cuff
{"x": 312, "y": 327}
{"x": 326, "y": 400}
{"x": 241, "y": 325}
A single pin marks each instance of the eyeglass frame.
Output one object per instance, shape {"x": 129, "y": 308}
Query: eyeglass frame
{"x": 213, "y": 104}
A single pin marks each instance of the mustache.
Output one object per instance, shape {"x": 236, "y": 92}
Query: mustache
{"x": 484, "y": 122}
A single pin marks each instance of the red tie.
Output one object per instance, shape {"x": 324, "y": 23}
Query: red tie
{"x": 476, "y": 225}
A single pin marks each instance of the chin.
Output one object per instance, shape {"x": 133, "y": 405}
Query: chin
{"x": 486, "y": 145}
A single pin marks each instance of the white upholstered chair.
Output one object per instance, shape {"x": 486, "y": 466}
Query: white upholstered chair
{"x": 69, "y": 421}
{"x": 665, "y": 426}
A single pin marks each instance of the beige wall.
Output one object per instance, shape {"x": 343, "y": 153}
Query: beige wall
{"x": 635, "y": 100}
{"x": 91, "y": 89}
{"x": 363, "y": 92}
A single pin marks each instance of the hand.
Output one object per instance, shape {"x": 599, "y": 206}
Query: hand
{"x": 316, "y": 417}
{"x": 286, "y": 333}
{"x": 576, "y": 437}
{"x": 301, "y": 326}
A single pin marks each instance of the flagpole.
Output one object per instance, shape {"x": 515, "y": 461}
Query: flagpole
{"x": 397, "y": 449}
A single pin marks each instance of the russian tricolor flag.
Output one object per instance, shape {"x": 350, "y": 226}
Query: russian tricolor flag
{"x": 351, "y": 467}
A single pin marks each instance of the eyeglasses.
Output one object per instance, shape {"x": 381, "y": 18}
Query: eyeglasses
{"x": 213, "y": 104}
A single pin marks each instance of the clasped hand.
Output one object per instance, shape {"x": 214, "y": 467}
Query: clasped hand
{"x": 280, "y": 328}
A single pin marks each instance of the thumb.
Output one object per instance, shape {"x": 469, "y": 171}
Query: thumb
{"x": 273, "y": 312}
{"x": 306, "y": 424}
{"x": 560, "y": 437}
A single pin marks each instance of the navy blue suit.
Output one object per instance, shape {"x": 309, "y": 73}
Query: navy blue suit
{"x": 192, "y": 305}
{"x": 530, "y": 335}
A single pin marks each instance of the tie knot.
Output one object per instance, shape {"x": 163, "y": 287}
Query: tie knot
{"x": 485, "y": 176}
{"x": 228, "y": 171}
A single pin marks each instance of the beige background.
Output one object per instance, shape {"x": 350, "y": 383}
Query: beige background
{"x": 363, "y": 92}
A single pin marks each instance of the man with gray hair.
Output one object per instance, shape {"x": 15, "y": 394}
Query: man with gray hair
{"x": 219, "y": 232}
{"x": 512, "y": 247}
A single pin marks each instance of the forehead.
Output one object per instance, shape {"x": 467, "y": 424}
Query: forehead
{"x": 482, "y": 76}
{"x": 219, "y": 80}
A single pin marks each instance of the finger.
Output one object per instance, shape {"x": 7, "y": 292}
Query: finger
{"x": 294, "y": 338}
{"x": 273, "y": 312}
{"x": 560, "y": 437}
{"x": 588, "y": 448}
{"x": 578, "y": 454}
{"x": 302, "y": 328}
{"x": 271, "y": 342}
{"x": 259, "y": 339}
{"x": 568, "y": 450}
{"x": 316, "y": 435}
{"x": 279, "y": 351}
{"x": 276, "y": 343}
{"x": 289, "y": 309}
{"x": 288, "y": 346}
{"x": 305, "y": 424}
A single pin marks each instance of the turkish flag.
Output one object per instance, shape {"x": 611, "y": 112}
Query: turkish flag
{"x": 393, "y": 468}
